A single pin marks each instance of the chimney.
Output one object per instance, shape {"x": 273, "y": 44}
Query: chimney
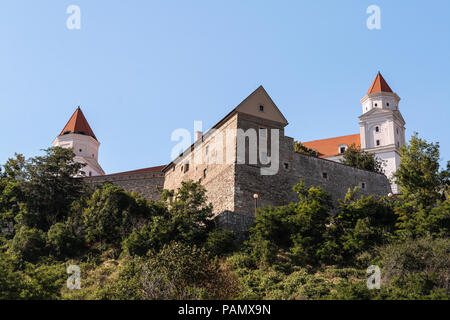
{"x": 198, "y": 135}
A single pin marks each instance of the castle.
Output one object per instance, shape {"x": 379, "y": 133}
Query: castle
{"x": 245, "y": 160}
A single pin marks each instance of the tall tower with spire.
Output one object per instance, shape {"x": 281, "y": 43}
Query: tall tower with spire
{"x": 78, "y": 135}
{"x": 382, "y": 127}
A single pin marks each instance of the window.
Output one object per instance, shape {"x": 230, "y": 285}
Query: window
{"x": 378, "y": 142}
{"x": 363, "y": 185}
{"x": 341, "y": 149}
{"x": 286, "y": 165}
{"x": 376, "y": 104}
{"x": 186, "y": 167}
{"x": 398, "y": 144}
{"x": 204, "y": 173}
{"x": 90, "y": 173}
{"x": 264, "y": 157}
{"x": 377, "y": 129}
{"x": 261, "y": 108}
{"x": 387, "y": 104}
{"x": 324, "y": 175}
{"x": 262, "y": 132}
{"x": 81, "y": 150}
{"x": 397, "y": 130}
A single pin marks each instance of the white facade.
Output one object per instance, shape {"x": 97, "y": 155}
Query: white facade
{"x": 86, "y": 151}
{"x": 382, "y": 130}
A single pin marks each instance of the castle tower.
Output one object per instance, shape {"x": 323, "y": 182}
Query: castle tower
{"x": 78, "y": 135}
{"x": 382, "y": 127}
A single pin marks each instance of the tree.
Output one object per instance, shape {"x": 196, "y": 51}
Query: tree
{"x": 111, "y": 214}
{"x": 422, "y": 208}
{"x": 359, "y": 226}
{"x": 48, "y": 185}
{"x": 300, "y": 148}
{"x": 297, "y": 227}
{"x": 355, "y": 157}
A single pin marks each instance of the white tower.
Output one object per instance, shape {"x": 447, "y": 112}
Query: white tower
{"x": 78, "y": 135}
{"x": 382, "y": 127}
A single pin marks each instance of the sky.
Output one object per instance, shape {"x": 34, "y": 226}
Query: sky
{"x": 141, "y": 69}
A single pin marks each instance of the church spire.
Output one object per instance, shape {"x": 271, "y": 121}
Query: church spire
{"x": 78, "y": 124}
{"x": 379, "y": 85}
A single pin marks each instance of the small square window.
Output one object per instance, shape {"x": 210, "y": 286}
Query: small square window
{"x": 261, "y": 108}
{"x": 264, "y": 156}
{"x": 342, "y": 150}
{"x": 262, "y": 132}
{"x": 387, "y": 104}
{"x": 378, "y": 142}
{"x": 325, "y": 175}
{"x": 286, "y": 165}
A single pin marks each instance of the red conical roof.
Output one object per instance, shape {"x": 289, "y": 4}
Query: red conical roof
{"x": 379, "y": 85}
{"x": 78, "y": 124}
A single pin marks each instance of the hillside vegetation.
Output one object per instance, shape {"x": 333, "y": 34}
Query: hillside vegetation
{"x": 127, "y": 247}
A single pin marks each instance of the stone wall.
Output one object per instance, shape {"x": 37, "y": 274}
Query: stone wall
{"x": 276, "y": 190}
{"x": 147, "y": 184}
{"x": 209, "y": 167}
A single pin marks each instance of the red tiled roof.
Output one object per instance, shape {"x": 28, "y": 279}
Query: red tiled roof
{"x": 78, "y": 124}
{"x": 330, "y": 147}
{"x": 379, "y": 85}
{"x": 145, "y": 170}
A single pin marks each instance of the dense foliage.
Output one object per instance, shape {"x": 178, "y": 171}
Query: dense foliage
{"x": 300, "y": 148}
{"x": 355, "y": 157}
{"x": 130, "y": 248}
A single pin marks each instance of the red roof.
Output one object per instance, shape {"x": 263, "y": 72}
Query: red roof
{"x": 379, "y": 85}
{"x": 78, "y": 124}
{"x": 145, "y": 170}
{"x": 330, "y": 147}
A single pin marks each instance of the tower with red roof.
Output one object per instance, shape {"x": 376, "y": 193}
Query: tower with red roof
{"x": 78, "y": 135}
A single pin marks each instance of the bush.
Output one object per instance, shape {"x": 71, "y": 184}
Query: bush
{"x": 63, "y": 241}
{"x": 220, "y": 242}
{"x": 28, "y": 244}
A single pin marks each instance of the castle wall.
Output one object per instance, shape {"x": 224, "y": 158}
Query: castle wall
{"x": 218, "y": 179}
{"x": 147, "y": 184}
{"x": 276, "y": 189}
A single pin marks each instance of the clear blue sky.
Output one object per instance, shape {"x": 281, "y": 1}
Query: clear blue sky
{"x": 141, "y": 69}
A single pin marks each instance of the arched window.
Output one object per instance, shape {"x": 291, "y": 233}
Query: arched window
{"x": 377, "y": 129}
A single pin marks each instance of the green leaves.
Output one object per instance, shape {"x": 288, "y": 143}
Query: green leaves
{"x": 354, "y": 157}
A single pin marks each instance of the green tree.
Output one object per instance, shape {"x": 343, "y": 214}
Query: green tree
{"x": 355, "y": 157}
{"x": 297, "y": 227}
{"x": 360, "y": 225}
{"x": 300, "y": 148}
{"x": 422, "y": 208}
{"x": 49, "y": 186}
{"x": 111, "y": 214}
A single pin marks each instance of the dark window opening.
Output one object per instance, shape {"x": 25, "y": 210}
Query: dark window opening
{"x": 186, "y": 167}
{"x": 204, "y": 173}
{"x": 261, "y": 108}
{"x": 286, "y": 165}
{"x": 90, "y": 174}
{"x": 376, "y": 104}
{"x": 363, "y": 185}
{"x": 342, "y": 150}
{"x": 387, "y": 104}
{"x": 378, "y": 142}
{"x": 81, "y": 150}
{"x": 66, "y": 132}
{"x": 377, "y": 129}
{"x": 324, "y": 175}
